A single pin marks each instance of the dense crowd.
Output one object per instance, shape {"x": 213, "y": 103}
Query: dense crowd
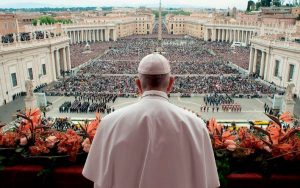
{"x": 186, "y": 50}
{"x": 199, "y": 67}
{"x": 99, "y": 67}
{"x": 79, "y": 55}
{"x": 231, "y": 85}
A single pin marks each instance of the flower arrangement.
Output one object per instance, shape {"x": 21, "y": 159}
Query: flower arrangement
{"x": 235, "y": 148}
{"x": 275, "y": 139}
{"x": 38, "y": 137}
{"x": 256, "y": 148}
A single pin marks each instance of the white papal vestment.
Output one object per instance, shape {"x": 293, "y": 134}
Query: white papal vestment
{"x": 151, "y": 144}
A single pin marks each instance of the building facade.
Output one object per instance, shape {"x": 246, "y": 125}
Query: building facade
{"x": 40, "y": 60}
{"x": 276, "y": 61}
{"x": 8, "y": 24}
{"x": 192, "y": 25}
{"x": 103, "y": 28}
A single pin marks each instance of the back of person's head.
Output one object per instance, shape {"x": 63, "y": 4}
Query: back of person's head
{"x": 154, "y": 74}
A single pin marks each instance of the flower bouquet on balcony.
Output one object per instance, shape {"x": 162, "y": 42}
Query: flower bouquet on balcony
{"x": 34, "y": 137}
{"x": 275, "y": 148}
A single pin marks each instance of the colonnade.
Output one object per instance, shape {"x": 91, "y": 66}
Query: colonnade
{"x": 259, "y": 60}
{"x": 61, "y": 61}
{"x": 91, "y": 35}
{"x": 229, "y": 35}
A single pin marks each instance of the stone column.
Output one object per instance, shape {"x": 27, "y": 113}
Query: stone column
{"x": 101, "y": 34}
{"x": 82, "y": 39}
{"x": 115, "y": 34}
{"x": 267, "y": 67}
{"x": 227, "y": 35}
{"x": 91, "y": 35}
{"x": 262, "y": 65}
{"x": 78, "y": 36}
{"x": 106, "y": 35}
{"x": 251, "y": 61}
{"x": 74, "y": 37}
{"x": 223, "y": 34}
{"x": 206, "y": 34}
{"x": 213, "y": 34}
{"x": 255, "y": 60}
{"x": 97, "y": 35}
{"x": 243, "y": 36}
{"x": 230, "y": 35}
{"x": 239, "y": 36}
{"x": 53, "y": 65}
{"x": 86, "y": 36}
{"x": 68, "y": 58}
{"x": 219, "y": 34}
{"x": 234, "y": 35}
{"x": 57, "y": 61}
{"x": 71, "y": 37}
{"x": 65, "y": 59}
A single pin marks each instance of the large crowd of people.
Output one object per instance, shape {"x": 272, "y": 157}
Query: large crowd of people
{"x": 90, "y": 84}
{"x": 100, "y": 67}
{"x": 79, "y": 55}
{"x": 199, "y": 67}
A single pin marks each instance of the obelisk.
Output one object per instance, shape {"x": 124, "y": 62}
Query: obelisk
{"x": 159, "y": 47}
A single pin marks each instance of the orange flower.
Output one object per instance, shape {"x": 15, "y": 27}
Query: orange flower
{"x": 39, "y": 148}
{"x": 228, "y": 136}
{"x": 69, "y": 143}
{"x": 214, "y": 126}
{"x": 8, "y": 139}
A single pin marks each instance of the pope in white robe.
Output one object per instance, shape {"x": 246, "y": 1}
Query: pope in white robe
{"x": 152, "y": 144}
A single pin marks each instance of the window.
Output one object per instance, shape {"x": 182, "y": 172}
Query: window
{"x": 291, "y": 72}
{"x": 14, "y": 79}
{"x": 44, "y": 69}
{"x": 276, "y": 71}
{"x": 30, "y": 74}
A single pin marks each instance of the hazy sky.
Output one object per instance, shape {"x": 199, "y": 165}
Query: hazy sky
{"x": 240, "y": 4}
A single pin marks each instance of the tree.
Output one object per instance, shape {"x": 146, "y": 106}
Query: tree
{"x": 50, "y": 20}
{"x": 266, "y": 3}
{"x": 258, "y": 5}
{"x": 277, "y": 3}
{"x": 250, "y": 5}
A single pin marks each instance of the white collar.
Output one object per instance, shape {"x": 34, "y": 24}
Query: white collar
{"x": 155, "y": 93}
